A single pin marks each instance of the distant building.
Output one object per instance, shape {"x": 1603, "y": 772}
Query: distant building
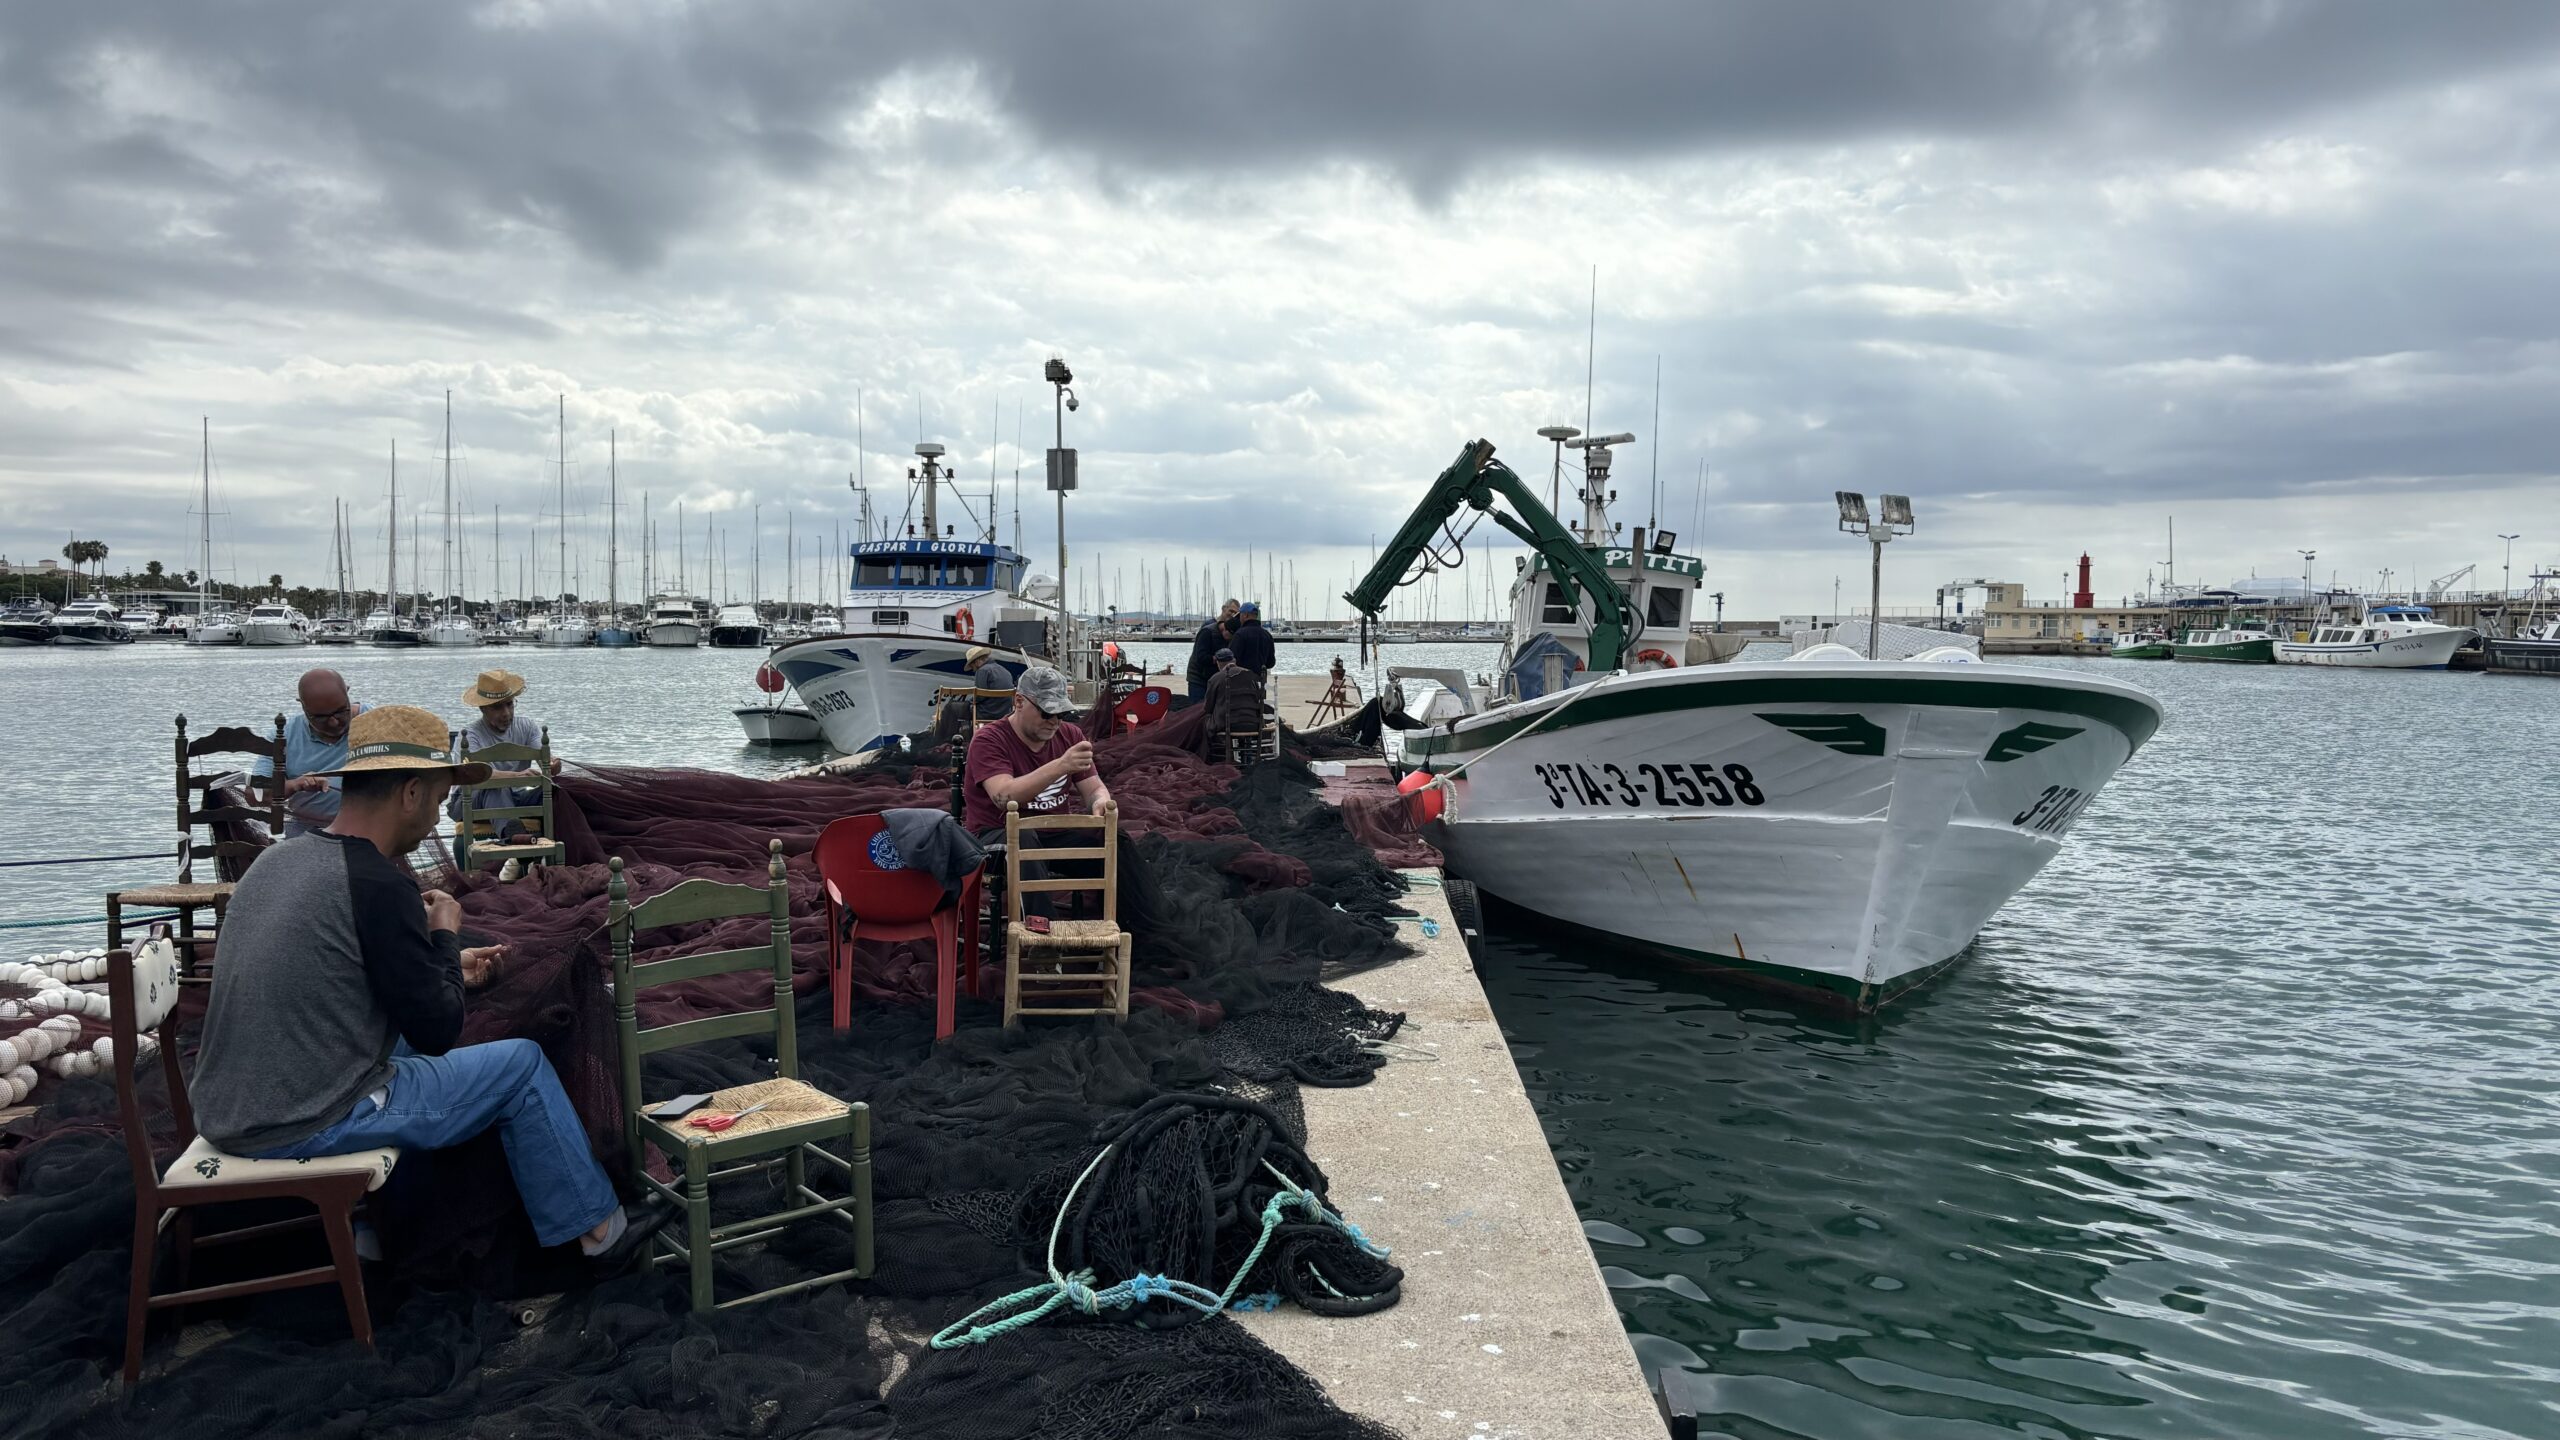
{"x": 41, "y": 567}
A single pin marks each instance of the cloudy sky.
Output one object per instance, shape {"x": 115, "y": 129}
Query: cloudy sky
{"x": 2060, "y": 271}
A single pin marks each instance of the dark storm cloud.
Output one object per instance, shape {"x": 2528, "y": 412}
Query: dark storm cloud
{"x": 625, "y": 127}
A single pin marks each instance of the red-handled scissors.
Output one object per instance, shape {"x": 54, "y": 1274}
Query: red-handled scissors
{"x": 717, "y": 1122}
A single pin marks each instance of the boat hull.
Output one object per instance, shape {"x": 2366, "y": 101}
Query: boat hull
{"x": 779, "y": 725}
{"x": 557, "y": 636}
{"x": 217, "y": 634}
{"x": 674, "y": 634}
{"x": 2236, "y": 652}
{"x": 615, "y": 637}
{"x": 273, "y": 634}
{"x": 91, "y": 633}
{"x": 1843, "y": 828}
{"x": 2524, "y": 657}
{"x": 868, "y": 689}
{"x": 393, "y": 639}
{"x": 2160, "y": 651}
{"x": 737, "y": 637}
{"x": 2400, "y": 652}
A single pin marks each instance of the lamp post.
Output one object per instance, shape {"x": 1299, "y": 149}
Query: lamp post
{"x": 2507, "y": 569}
{"x": 1894, "y": 519}
{"x": 2307, "y": 557}
{"x": 1062, "y": 476}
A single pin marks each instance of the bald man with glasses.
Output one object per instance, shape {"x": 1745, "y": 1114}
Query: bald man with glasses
{"x": 315, "y": 743}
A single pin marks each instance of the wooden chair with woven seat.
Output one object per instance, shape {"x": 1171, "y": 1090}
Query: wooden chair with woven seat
{"x": 199, "y": 804}
{"x": 788, "y": 1134}
{"x": 1074, "y": 967}
{"x": 142, "y": 993}
{"x": 470, "y": 849}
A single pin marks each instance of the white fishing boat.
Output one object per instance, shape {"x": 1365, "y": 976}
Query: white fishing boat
{"x": 2387, "y": 637}
{"x": 1824, "y": 823}
{"x": 773, "y": 722}
{"x": 913, "y": 610}
{"x": 675, "y": 623}
{"x": 275, "y": 623}
{"x": 737, "y": 627}
{"x": 89, "y": 622}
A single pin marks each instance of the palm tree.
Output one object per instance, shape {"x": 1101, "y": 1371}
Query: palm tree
{"x": 276, "y": 583}
{"x": 153, "y": 570}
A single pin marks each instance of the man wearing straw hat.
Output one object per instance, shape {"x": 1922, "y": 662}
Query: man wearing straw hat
{"x": 986, "y": 674}
{"x": 333, "y": 1022}
{"x": 494, "y": 696}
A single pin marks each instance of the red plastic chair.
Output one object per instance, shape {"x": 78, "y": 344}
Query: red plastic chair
{"x": 893, "y": 904}
{"x": 1145, "y": 706}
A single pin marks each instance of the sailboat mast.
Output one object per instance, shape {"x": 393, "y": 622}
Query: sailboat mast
{"x": 204, "y": 579}
{"x": 563, "y": 609}
{"x": 612, "y": 525}
{"x": 391, "y": 577}
{"x": 447, "y": 597}
{"x": 680, "y": 549}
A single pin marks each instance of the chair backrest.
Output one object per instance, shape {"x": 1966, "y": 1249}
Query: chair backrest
{"x": 684, "y": 904}
{"x": 199, "y": 805}
{"x": 500, "y": 785}
{"x": 861, "y": 868}
{"x": 1105, "y": 847}
{"x": 142, "y": 993}
{"x": 1144, "y": 706}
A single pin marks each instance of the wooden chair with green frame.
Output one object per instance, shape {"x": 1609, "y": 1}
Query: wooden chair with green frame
{"x": 788, "y": 1133}
{"x": 470, "y": 850}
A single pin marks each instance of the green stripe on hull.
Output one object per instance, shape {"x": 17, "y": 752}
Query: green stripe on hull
{"x": 2136, "y": 720}
{"x": 2245, "y": 652}
{"x": 1820, "y": 986}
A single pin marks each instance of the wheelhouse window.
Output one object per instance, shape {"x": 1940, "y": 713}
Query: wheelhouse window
{"x": 1662, "y": 607}
{"x": 967, "y": 574}
{"x": 875, "y": 574}
{"x": 1555, "y": 611}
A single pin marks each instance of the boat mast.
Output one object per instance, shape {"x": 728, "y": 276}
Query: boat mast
{"x": 612, "y": 526}
{"x": 447, "y": 597}
{"x": 204, "y": 578}
{"x": 391, "y": 578}
{"x": 562, "y": 610}
{"x": 680, "y": 550}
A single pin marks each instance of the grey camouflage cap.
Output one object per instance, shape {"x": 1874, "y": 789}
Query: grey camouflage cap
{"x": 1046, "y": 689}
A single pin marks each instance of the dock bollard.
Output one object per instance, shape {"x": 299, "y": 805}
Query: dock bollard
{"x": 1679, "y": 1408}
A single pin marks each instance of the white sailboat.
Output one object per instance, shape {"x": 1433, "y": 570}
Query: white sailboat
{"x": 386, "y": 628}
{"x": 212, "y": 626}
{"x": 450, "y": 627}
{"x": 567, "y": 625}
{"x": 1825, "y": 823}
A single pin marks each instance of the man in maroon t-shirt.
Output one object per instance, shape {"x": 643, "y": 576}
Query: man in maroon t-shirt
{"x": 1034, "y": 759}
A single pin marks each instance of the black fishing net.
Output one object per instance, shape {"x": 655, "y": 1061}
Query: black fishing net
{"x": 1241, "y": 896}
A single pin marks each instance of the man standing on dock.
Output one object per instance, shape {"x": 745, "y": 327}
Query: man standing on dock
{"x": 1213, "y": 637}
{"x": 315, "y": 743}
{"x": 1252, "y": 644}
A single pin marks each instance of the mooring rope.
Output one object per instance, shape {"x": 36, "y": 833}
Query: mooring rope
{"x": 70, "y": 920}
{"x": 83, "y": 860}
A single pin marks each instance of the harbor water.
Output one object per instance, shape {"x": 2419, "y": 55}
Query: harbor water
{"x": 2240, "y": 1120}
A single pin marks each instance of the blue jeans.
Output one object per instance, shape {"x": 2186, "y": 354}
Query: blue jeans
{"x": 436, "y": 1101}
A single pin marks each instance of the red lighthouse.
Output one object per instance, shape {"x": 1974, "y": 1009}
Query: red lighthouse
{"x": 2083, "y": 600}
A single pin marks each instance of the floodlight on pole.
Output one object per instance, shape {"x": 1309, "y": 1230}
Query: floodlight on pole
{"x": 2507, "y": 569}
{"x": 1062, "y": 478}
{"x": 1895, "y": 513}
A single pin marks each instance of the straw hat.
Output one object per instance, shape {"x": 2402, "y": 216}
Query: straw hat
{"x": 493, "y": 687}
{"x": 977, "y": 656}
{"x": 404, "y": 737}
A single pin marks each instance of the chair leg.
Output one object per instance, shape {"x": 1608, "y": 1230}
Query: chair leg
{"x": 182, "y": 1248}
{"x": 697, "y": 1223}
{"x": 1012, "y": 981}
{"x": 146, "y": 1248}
{"x": 337, "y": 1217}
{"x": 1121, "y": 990}
{"x": 839, "y": 970}
{"x": 946, "y": 976}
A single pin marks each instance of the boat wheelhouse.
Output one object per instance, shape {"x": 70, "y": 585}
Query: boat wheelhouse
{"x": 2386, "y": 637}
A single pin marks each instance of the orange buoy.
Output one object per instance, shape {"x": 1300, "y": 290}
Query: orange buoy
{"x": 769, "y": 680}
{"x": 1424, "y": 801}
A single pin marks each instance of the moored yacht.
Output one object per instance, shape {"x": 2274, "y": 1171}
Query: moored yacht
{"x": 388, "y": 629}
{"x": 737, "y": 627}
{"x": 26, "y": 621}
{"x": 89, "y": 622}
{"x": 452, "y": 628}
{"x": 218, "y": 628}
{"x": 275, "y": 623}
{"x": 674, "y": 623}
{"x": 2388, "y": 637}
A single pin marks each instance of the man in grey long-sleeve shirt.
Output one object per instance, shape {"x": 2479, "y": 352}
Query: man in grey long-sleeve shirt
{"x": 339, "y": 995}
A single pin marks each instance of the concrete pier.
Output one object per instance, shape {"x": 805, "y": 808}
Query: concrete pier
{"x": 1506, "y": 1331}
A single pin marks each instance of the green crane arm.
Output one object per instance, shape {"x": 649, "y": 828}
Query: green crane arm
{"x": 1476, "y": 478}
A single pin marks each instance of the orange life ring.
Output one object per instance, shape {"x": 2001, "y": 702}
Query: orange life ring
{"x": 1658, "y": 657}
{"x": 965, "y": 625}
